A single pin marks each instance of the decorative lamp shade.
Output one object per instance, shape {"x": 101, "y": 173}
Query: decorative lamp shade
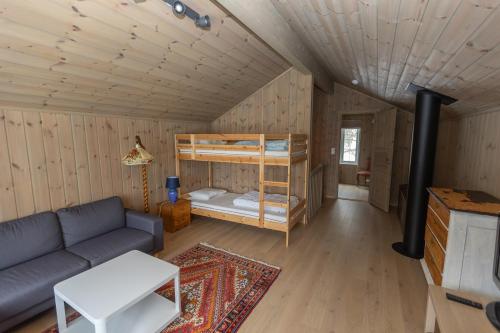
{"x": 172, "y": 182}
{"x": 138, "y": 155}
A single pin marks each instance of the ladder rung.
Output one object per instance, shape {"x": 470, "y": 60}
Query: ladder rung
{"x": 275, "y": 204}
{"x": 275, "y": 184}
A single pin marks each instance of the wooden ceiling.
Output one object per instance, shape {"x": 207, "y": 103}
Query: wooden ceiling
{"x": 451, "y": 46}
{"x": 123, "y": 57}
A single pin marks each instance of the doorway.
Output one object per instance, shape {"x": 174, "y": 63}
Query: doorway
{"x": 356, "y": 137}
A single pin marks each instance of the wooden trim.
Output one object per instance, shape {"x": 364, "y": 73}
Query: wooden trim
{"x": 226, "y": 216}
{"x": 275, "y": 204}
{"x": 275, "y": 184}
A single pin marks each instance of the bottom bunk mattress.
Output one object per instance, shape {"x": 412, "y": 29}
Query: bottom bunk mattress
{"x": 224, "y": 203}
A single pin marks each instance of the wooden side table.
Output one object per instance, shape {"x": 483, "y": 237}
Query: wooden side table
{"x": 175, "y": 215}
{"x": 452, "y": 317}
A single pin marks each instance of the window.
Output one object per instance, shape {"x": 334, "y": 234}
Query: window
{"x": 349, "y": 148}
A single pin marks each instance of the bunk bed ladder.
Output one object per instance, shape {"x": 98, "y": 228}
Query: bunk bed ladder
{"x": 263, "y": 183}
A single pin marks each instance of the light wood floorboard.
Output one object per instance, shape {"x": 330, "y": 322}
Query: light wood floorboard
{"x": 339, "y": 273}
{"x": 353, "y": 192}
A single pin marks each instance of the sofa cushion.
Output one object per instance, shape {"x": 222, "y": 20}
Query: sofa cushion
{"x": 108, "y": 246}
{"x": 32, "y": 282}
{"x": 29, "y": 237}
{"x": 87, "y": 221}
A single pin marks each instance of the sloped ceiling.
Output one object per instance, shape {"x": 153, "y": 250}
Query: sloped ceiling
{"x": 123, "y": 57}
{"x": 451, "y": 46}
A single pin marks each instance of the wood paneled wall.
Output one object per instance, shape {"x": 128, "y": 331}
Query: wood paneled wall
{"x": 54, "y": 160}
{"x": 347, "y": 101}
{"x": 281, "y": 106}
{"x": 468, "y": 153}
{"x": 402, "y": 152}
{"x": 347, "y": 174}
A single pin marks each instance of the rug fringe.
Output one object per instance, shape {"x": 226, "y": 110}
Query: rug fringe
{"x": 239, "y": 255}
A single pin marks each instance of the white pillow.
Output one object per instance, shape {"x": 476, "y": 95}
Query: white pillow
{"x": 206, "y": 193}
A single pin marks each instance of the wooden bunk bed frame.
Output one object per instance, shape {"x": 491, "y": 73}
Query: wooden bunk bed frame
{"x": 297, "y": 153}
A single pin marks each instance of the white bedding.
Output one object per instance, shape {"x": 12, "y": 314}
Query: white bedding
{"x": 206, "y": 193}
{"x": 224, "y": 203}
{"x": 251, "y": 200}
{"x": 270, "y": 153}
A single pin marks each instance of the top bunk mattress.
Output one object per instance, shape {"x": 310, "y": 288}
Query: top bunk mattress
{"x": 269, "y": 153}
{"x": 224, "y": 203}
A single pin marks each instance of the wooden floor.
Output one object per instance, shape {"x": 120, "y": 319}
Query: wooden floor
{"x": 353, "y": 192}
{"x": 339, "y": 273}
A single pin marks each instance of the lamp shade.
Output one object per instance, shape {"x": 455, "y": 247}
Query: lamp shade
{"x": 172, "y": 182}
{"x": 138, "y": 155}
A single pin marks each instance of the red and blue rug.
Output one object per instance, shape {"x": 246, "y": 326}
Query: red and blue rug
{"x": 219, "y": 289}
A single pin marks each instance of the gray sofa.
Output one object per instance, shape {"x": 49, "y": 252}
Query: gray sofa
{"x": 38, "y": 251}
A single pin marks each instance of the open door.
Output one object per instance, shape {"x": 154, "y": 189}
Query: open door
{"x": 382, "y": 154}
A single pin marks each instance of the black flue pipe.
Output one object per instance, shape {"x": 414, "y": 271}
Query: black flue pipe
{"x": 423, "y": 153}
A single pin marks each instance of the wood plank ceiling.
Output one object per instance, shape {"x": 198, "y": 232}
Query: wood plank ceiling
{"x": 451, "y": 46}
{"x": 122, "y": 57}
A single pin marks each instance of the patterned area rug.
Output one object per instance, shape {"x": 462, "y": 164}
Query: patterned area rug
{"x": 219, "y": 289}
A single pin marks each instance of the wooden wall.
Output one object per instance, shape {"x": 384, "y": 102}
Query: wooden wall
{"x": 402, "y": 152}
{"x": 468, "y": 153}
{"x": 53, "y": 160}
{"x": 347, "y": 101}
{"x": 347, "y": 172}
{"x": 281, "y": 106}
{"x": 322, "y": 135}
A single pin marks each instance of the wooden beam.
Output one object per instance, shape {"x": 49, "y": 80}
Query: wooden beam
{"x": 261, "y": 17}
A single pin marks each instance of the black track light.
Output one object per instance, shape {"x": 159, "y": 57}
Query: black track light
{"x": 202, "y": 22}
{"x": 178, "y": 8}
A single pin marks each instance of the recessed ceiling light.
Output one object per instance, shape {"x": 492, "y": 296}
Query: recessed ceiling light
{"x": 355, "y": 82}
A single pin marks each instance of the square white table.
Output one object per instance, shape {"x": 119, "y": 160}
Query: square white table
{"x": 118, "y": 296}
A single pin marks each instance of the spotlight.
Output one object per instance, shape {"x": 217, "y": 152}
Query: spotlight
{"x": 202, "y": 21}
{"x": 179, "y": 8}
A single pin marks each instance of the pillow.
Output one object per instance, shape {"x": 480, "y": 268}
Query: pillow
{"x": 206, "y": 193}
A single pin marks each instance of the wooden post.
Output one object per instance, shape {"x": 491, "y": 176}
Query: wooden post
{"x": 288, "y": 187}
{"x": 262, "y": 149}
{"x": 209, "y": 174}
{"x": 306, "y": 182}
{"x": 145, "y": 187}
{"x": 177, "y": 165}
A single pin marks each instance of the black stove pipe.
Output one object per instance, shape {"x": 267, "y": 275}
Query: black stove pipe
{"x": 423, "y": 153}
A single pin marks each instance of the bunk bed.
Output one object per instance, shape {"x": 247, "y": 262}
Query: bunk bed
{"x": 265, "y": 210}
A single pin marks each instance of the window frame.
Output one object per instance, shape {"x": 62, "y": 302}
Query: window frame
{"x": 358, "y": 145}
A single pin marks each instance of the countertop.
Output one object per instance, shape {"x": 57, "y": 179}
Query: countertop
{"x": 467, "y": 200}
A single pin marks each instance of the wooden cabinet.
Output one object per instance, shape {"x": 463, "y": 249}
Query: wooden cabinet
{"x": 175, "y": 216}
{"x": 460, "y": 236}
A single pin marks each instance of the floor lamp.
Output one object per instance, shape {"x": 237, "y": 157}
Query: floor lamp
{"x": 139, "y": 156}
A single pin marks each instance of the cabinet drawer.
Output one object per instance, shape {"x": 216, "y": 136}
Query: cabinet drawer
{"x": 441, "y": 210}
{"x": 435, "y": 274}
{"x": 182, "y": 220}
{"x": 435, "y": 250}
{"x": 437, "y": 228}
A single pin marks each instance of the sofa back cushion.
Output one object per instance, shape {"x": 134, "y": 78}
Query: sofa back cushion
{"x": 83, "y": 222}
{"x": 28, "y": 238}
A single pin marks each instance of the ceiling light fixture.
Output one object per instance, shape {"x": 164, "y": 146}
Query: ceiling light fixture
{"x": 355, "y": 82}
{"x": 180, "y": 10}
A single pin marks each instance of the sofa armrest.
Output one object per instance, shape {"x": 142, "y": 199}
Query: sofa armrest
{"x": 148, "y": 223}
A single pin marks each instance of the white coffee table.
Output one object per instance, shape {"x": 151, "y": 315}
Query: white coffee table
{"x": 118, "y": 296}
